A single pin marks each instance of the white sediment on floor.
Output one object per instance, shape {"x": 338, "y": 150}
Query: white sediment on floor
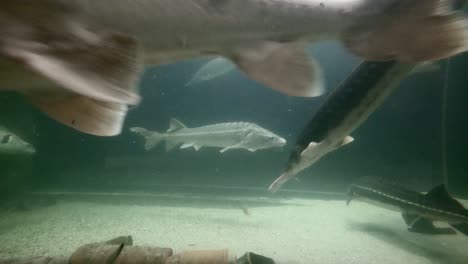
{"x": 300, "y": 231}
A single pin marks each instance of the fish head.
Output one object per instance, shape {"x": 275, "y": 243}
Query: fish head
{"x": 12, "y": 144}
{"x": 263, "y": 139}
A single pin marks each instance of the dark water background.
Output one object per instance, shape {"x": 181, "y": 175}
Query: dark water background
{"x": 400, "y": 141}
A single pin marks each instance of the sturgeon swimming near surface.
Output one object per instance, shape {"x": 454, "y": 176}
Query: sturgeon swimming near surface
{"x": 80, "y": 61}
{"x": 418, "y": 210}
{"x": 344, "y": 110}
{"x": 235, "y": 135}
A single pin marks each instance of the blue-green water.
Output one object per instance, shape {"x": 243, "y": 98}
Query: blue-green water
{"x": 400, "y": 141}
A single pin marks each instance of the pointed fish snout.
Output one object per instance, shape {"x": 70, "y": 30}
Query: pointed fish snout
{"x": 31, "y": 150}
{"x": 282, "y": 141}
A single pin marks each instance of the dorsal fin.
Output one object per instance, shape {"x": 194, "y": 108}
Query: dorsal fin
{"x": 5, "y": 139}
{"x": 175, "y": 125}
{"x": 440, "y": 196}
{"x": 439, "y": 192}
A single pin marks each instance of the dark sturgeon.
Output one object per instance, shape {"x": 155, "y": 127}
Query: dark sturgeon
{"x": 343, "y": 111}
{"x": 418, "y": 210}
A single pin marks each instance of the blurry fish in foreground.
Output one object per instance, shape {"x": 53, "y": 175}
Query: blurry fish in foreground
{"x": 80, "y": 61}
{"x": 346, "y": 109}
{"x": 418, "y": 210}
{"x": 236, "y": 135}
{"x": 11, "y": 144}
{"x": 211, "y": 70}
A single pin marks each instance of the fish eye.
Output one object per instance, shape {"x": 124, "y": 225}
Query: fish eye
{"x": 6, "y": 139}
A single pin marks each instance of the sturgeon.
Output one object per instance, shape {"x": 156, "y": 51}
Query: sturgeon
{"x": 227, "y": 136}
{"x": 419, "y": 211}
{"x": 80, "y": 61}
{"x": 347, "y": 107}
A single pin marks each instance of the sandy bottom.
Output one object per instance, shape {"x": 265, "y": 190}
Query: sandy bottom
{"x": 287, "y": 230}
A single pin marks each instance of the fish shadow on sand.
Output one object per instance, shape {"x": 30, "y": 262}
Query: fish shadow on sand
{"x": 182, "y": 200}
{"x": 420, "y": 247}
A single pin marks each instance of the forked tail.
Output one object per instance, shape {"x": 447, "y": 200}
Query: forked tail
{"x": 152, "y": 138}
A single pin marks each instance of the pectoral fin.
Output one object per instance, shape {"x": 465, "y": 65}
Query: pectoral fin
{"x": 230, "y": 147}
{"x": 419, "y": 224}
{"x": 410, "y": 219}
{"x": 285, "y": 67}
{"x": 170, "y": 145}
{"x": 226, "y": 149}
{"x": 107, "y": 70}
{"x": 406, "y": 33}
{"x": 426, "y": 67}
{"x": 345, "y": 141}
{"x": 186, "y": 145}
{"x": 92, "y": 75}
{"x": 311, "y": 150}
{"x": 84, "y": 114}
{"x": 51, "y": 38}
{"x": 282, "y": 179}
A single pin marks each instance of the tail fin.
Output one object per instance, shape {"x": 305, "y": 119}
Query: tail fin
{"x": 410, "y": 31}
{"x": 152, "y": 138}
